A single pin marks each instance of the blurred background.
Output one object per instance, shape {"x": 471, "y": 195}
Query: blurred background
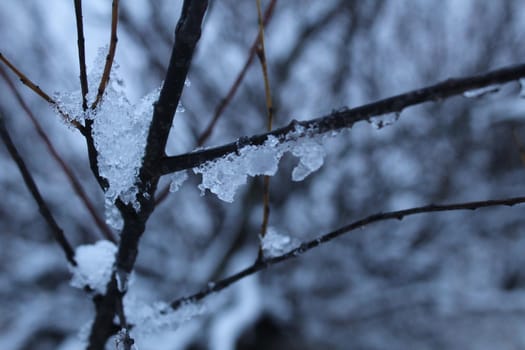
{"x": 436, "y": 281}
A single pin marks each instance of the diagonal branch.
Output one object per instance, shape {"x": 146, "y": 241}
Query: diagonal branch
{"x": 346, "y": 118}
{"x": 77, "y": 187}
{"x": 110, "y": 56}
{"x": 306, "y": 246}
{"x": 31, "y": 185}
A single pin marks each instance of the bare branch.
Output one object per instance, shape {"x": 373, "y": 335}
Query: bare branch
{"x": 110, "y": 56}
{"x": 81, "y": 53}
{"x": 240, "y": 77}
{"x": 36, "y": 89}
{"x": 77, "y": 187}
{"x": 306, "y": 246}
{"x": 31, "y": 185}
{"x": 346, "y": 118}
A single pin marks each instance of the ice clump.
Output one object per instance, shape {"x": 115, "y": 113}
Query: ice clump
{"x": 223, "y": 176}
{"x": 120, "y": 130}
{"x": 274, "y": 243}
{"x": 177, "y": 179}
{"x": 95, "y": 265}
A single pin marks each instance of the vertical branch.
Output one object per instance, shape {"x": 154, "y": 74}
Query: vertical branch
{"x": 81, "y": 53}
{"x": 261, "y": 54}
{"x": 31, "y": 185}
{"x": 77, "y": 187}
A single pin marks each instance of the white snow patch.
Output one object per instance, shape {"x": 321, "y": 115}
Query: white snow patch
{"x": 275, "y": 243}
{"x": 95, "y": 265}
{"x": 177, "y": 179}
{"x": 224, "y": 176}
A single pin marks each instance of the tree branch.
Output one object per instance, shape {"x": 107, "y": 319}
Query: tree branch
{"x": 81, "y": 53}
{"x": 31, "y": 185}
{"x": 346, "y": 118}
{"x": 306, "y": 246}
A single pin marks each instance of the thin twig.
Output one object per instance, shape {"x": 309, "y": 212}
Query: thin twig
{"x": 110, "y": 56}
{"x": 31, "y": 185}
{"x": 36, "y": 89}
{"x": 261, "y": 54}
{"x": 77, "y": 187}
{"x": 81, "y": 53}
{"x": 346, "y": 118}
{"x": 306, "y": 246}
{"x": 240, "y": 77}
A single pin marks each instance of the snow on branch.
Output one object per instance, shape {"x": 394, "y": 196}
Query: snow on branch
{"x": 346, "y": 118}
{"x": 262, "y": 264}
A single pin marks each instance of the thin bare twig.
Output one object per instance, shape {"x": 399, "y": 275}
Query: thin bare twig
{"x": 240, "y": 77}
{"x": 262, "y": 264}
{"x": 77, "y": 187}
{"x": 36, "y": 89}
{"x": 346, "y": 118}
{"x": 261, "y": 54}
{"x": 81, "y": 53}
{"x": 31, "y": 185}
{"x": 110, "y": 56}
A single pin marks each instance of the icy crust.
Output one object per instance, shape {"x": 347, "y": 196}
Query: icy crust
{"x": 95, "y": 265}
{"x": 276, "y": 243}
{"x": 224, "y": 176}
{"x": 120, "y": 130}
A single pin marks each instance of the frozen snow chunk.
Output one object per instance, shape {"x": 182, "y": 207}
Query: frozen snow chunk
{"x": 274, "y": 243}
{"x": 177, "y": 179}
{"x": 223, "y": 176}
{"x": 95, "y": 265}
{"x": 311, "y": 157}
{"x": 149, "y": 319}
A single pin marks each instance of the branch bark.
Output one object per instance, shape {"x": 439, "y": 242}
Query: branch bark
{"x": 262, "y": 264}
{"x": 346, "y": 118}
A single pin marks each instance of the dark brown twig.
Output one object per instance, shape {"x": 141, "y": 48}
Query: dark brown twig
{"x": 81, "y": 53}
{"x": 77, "y": 187}
{"x": 31, "y": 185}
{"x": 262, "y": 264}
{"x": 346, "y": 118}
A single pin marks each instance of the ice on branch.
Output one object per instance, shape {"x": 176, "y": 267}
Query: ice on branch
{"x": 177, "y": 179}
{"x": 481, "y": 92}
{"x": 224, "y": 176}
{"x": 95, "y": 265}
{"x": 120, "y": 131}
{"x": 274, "y": 243}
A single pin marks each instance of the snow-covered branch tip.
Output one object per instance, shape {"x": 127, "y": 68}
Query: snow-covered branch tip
{"x": 262, "y": 264}
{"x": 346, "y": 118}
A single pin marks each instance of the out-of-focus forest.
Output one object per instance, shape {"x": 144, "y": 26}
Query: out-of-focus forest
{"x": 452, "y": 280}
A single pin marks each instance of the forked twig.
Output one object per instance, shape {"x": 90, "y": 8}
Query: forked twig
{"x": 31, "y": 185}
{"x": 262, "y": 264}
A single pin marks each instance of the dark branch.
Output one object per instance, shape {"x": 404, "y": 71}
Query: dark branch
{"x": 81, "y": 53}
{"x": 346, "y": 118}
{"x": 306, "y": 246}
{"x": 31, "y": 185}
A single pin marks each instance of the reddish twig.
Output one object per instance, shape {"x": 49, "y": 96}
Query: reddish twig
{"x": 110, "y": 56}
{"x": 31, "y": 185}
{"x": 262, "y": 264}
{"x": 77, "y": 187}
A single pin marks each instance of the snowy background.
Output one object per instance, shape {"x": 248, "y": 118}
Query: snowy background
{"x": 440, "y": 281}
